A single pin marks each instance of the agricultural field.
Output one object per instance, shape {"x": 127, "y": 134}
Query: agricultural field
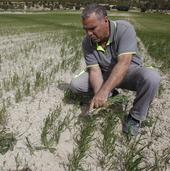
{"x": 41, "y": 127}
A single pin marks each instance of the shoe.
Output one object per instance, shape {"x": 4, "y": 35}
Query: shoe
{"x": 131, "y": 126}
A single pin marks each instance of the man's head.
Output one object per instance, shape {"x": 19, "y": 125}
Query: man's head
{"x": 95, "y": 23}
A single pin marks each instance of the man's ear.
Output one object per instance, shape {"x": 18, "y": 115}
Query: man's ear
{"x": 106, "y": 19}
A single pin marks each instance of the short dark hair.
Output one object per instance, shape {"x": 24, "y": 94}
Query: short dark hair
{"x": 94, "y": 8}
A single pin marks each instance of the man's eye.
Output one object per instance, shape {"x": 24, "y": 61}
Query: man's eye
{"x": 91, "y": 29}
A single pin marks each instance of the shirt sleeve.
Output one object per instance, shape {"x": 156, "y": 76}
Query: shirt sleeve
{"x": 127, "y": 43}
{"x": 89, "y": 56}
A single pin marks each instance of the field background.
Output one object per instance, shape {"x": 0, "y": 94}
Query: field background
{"x": 40, "y": 126}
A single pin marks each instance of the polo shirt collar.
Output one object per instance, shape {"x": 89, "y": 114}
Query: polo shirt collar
{"x": 111, "y": 32}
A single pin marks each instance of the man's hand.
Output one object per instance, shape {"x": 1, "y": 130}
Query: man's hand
{"x": 99, "y": 100}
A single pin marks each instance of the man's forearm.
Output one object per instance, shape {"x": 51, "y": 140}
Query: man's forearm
{"x": 96, "y": 79}
{"x": 101, "y": 89}
{"x": 115, "y": 78}
{"x": 117, "y": 75}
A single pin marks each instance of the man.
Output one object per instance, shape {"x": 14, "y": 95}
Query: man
{"x": 111, "y": 56}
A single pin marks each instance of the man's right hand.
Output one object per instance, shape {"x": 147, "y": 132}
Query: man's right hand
{"x": 99, "y": 99}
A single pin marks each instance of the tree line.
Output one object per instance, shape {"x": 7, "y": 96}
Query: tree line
{"x": 78, "y": 4}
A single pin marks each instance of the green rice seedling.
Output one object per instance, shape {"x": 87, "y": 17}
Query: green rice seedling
{"x": 71, "y": 53}
{"x": 7, "y": 102}
{"x": 61, "y": 126}
{"x": 152, "y": 130}
{"x": 82, "y": 140}
{"x": 161, "y": 89}
{"x": 29, "y": 146}
{"x": 47, "y": 135}
{"x": 18, "y": 162}
{"x": 32, "y": 148}
{"x": 40, "y": 81}
{"x": 2, "y": 113}
{"x": 1, "y": 92}
{"x": 133, "y": 158}
{"x": 149, "y": 122}
{"x": 47, "y": 63}
{"x": 6, "y": 84}
{"x": 55, "y": 69}
{"x": 160, "y": 161}
{"x": 70, "y": 97}
{"x": 53, "y": 128}
{"x": 77, "y": 59}
{"x": 14, "y": 80}
{"x": 114, "y": 104}
{"x": 0, "y": 63}
{"x": 24, "y": 169}
{"x": 7, "y": 141}
{"x": 26, "y": 88}
{"x": 106, "y": 144}
{"x": 18, "y": 95}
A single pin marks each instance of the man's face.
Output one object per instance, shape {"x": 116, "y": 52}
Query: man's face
{"x": 96, "y": 27}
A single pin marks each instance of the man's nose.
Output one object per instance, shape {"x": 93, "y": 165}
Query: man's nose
{"x": 89, "y": 33}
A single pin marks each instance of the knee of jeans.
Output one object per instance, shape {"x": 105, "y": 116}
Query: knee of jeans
{"x": 74, "y": 86}
{"x": 152, "y": 79}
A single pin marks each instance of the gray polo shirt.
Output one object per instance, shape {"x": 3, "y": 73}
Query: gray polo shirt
{"x": 122, "y": 40}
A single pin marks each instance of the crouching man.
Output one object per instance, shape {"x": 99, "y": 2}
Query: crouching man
{"x": 111, "y": 55}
